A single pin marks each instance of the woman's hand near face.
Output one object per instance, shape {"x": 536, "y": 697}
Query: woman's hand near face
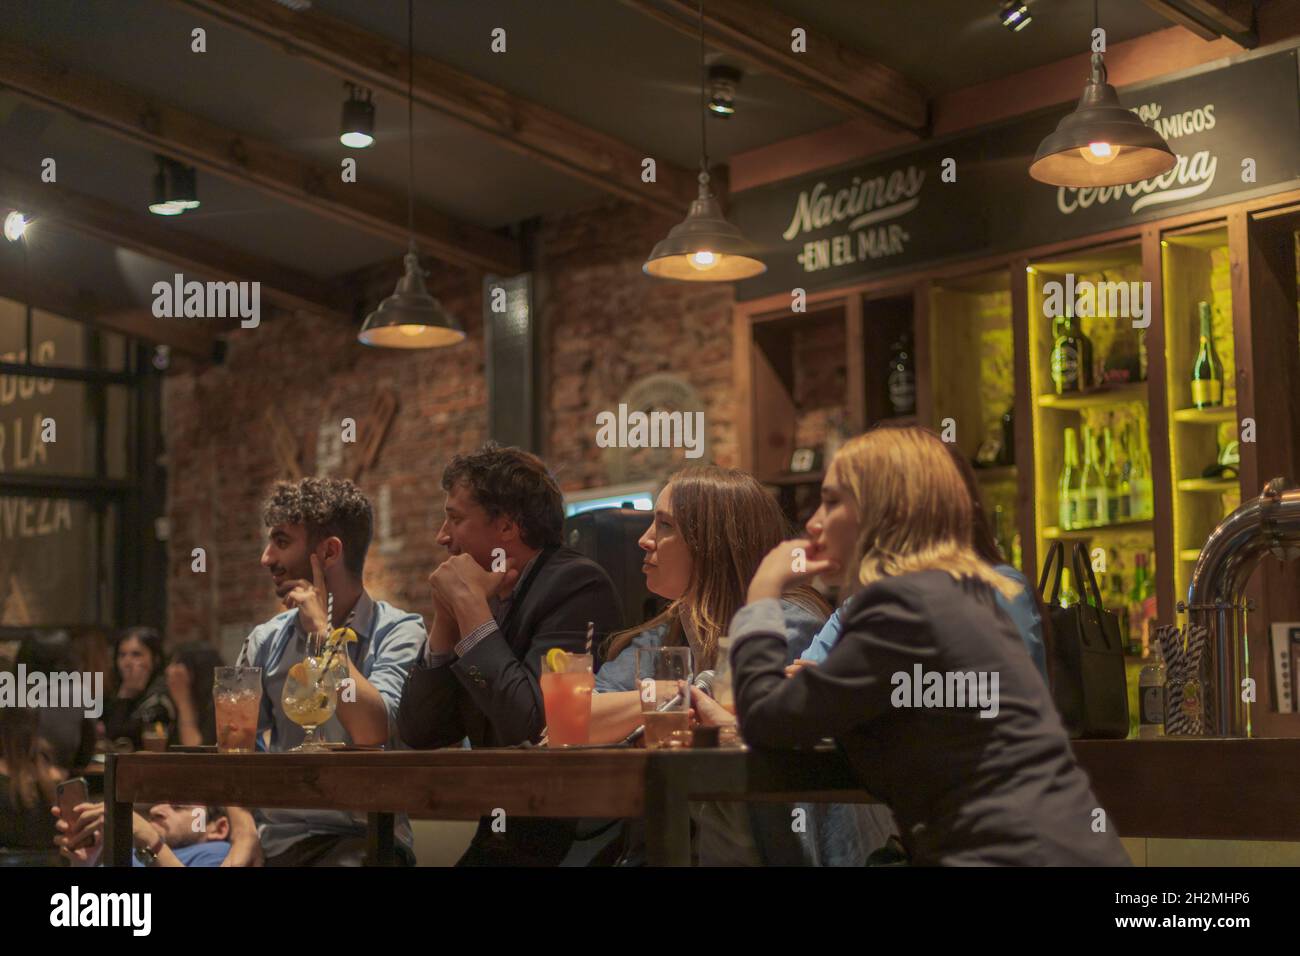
{"x": 789, "y": 563}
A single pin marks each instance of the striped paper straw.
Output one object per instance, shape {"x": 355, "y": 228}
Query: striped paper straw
{"x": 1197, "y": 636}
{"x": 1171, "y": 645}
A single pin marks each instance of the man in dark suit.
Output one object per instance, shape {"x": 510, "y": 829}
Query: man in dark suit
{"x": 508, "y": 593}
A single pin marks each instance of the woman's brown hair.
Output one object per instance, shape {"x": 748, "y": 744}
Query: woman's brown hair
{"x": 25, "y": 755}
{"x": 914, "y": 511}
{"x": 729, "y": 523}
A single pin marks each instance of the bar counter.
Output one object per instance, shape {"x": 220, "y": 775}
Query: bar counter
{"x": 1185, "y": 788}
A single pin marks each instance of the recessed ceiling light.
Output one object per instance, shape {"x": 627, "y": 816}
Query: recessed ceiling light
{"x": 15, "y": 225}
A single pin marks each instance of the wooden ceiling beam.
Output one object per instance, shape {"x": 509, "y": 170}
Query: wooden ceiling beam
{"x": 199, "y": 339}
{"x": 834, "y": 73}
{"x": 154, "y": 236}
{"x": 149, "y": 122}
{"x": 1211, "y": 19}
{"x": 526, "y": 127}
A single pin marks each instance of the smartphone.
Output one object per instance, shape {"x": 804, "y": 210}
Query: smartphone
{"x": 71, "y": 793}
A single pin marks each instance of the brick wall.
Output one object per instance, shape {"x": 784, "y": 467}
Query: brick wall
{"x": 605, "y": 326}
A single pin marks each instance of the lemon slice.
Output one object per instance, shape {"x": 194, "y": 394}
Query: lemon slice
{"x": 555, "y": 660}
{"x": 344, "y": 634}
{"x": 298, "y": 672}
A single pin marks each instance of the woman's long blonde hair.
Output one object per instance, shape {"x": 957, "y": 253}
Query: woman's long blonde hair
{"x": 729, "y": 523}
{"x": 914, "y": 512}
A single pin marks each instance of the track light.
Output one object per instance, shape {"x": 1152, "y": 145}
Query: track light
{"x": 175, "y": 188}
{"x": 357, "y": 131}
{"x": 723, "y": 81}
{"x": 1015, "y": 16}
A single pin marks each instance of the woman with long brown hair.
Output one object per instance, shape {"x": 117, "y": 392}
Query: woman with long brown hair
{"x": 710, "y": 530}
{"x": 28, "y": 777}
{"x": 929, "y": 690}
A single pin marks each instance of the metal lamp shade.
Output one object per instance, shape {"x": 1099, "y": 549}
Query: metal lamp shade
{"x": 411, "y": 318}
{"x": 704, "y": 230}
{"x": 1099, "y": 118}
{"x": 357, "y": 128}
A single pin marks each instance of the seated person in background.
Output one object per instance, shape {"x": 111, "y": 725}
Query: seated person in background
{"x": 68, "y": 732}
{"x": 711, "y": 528}
{"x": 318, "y": 533}
{"x": 172, "y": 835}
{"x": 189, "y": 681}
{"x": 138, "y": 700}
{"x": 1022, "y": 608}
{"x": 28, "y": 777}
{"x": 479, "y": 678}
{"x": 982, "y": 777}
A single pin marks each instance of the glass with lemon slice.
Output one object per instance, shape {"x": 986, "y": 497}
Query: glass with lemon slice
{"x": 567, "y": 683}
{"x": 311, "y": 687}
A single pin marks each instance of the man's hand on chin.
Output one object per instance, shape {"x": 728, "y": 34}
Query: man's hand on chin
{"x": 464, "y": 586}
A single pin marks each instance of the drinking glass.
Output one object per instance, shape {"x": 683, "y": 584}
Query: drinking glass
{"x": 311, "y": 693}
{"x": 237, "y": 699}
{"x": 663, "y": 677}
{"x": 567, "y": 683}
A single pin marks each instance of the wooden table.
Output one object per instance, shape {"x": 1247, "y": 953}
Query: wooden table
{"x": 1180, "y": 788}
{"x": 469, "y": 784}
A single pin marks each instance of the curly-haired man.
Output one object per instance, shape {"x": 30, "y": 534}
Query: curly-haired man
{"x": 318, "y": 532}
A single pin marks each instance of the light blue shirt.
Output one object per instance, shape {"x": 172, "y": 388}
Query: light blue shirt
{"x": 1022, "y": 610}
{"x": 388, "y": 642}
{"x": 619, "y": 674}
{"x": 211, "y": 853}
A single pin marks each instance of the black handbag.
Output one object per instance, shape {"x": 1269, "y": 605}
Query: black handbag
{"x": 1086, "y": 653}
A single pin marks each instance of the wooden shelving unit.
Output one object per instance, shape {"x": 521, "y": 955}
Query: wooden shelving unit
{"x": 1183, "y": 259}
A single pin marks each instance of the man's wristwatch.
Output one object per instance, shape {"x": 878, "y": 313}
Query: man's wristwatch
{"x": 148, "y": 856}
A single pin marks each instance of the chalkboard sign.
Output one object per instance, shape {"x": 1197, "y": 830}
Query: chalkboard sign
{"x": 1235, "y": 129}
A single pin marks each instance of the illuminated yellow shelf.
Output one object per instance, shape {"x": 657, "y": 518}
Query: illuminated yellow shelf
{"x": 1215, "y": 485}
{"x": 1189, "y": 554}
{"x": 1101, "y": 396}
{"x": 1206, "y": 416}
{"x": 1053, "y": 533}
{"x": 1001, "y": 473}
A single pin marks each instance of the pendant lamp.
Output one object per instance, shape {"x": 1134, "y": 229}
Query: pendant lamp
{"x": 410, "y": 318}
{"x": 704, "y": 247}
{"x": 1101, "y": 143}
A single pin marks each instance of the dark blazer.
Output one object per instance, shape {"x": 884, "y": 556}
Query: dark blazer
{"x": 966, "y": 789}
{"x": 492, "y": 694}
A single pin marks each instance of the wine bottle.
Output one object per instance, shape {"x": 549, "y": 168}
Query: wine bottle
{"x": 1110, "y": 474}
{"x": 901, "y": 376}
{"x": 1067, "y": 354}
{"x": 1207, "y": 370}
{"x": 1141, "y": 503}
{"x": 1124, "y": 467}
{"x": 1141, "y": 604}
{"x": 1067, "y": 489}
{"x": 1093, "y": 509}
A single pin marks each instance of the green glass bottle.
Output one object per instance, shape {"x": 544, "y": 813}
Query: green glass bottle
{"x": 1067, "y": 489}
{"x": 1207, "y": 370}
{"x": 1093, "y": 507}
{"x": 1110, "y": 474}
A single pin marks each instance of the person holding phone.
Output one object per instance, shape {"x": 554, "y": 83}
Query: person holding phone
{"x": 173, "y": 835}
